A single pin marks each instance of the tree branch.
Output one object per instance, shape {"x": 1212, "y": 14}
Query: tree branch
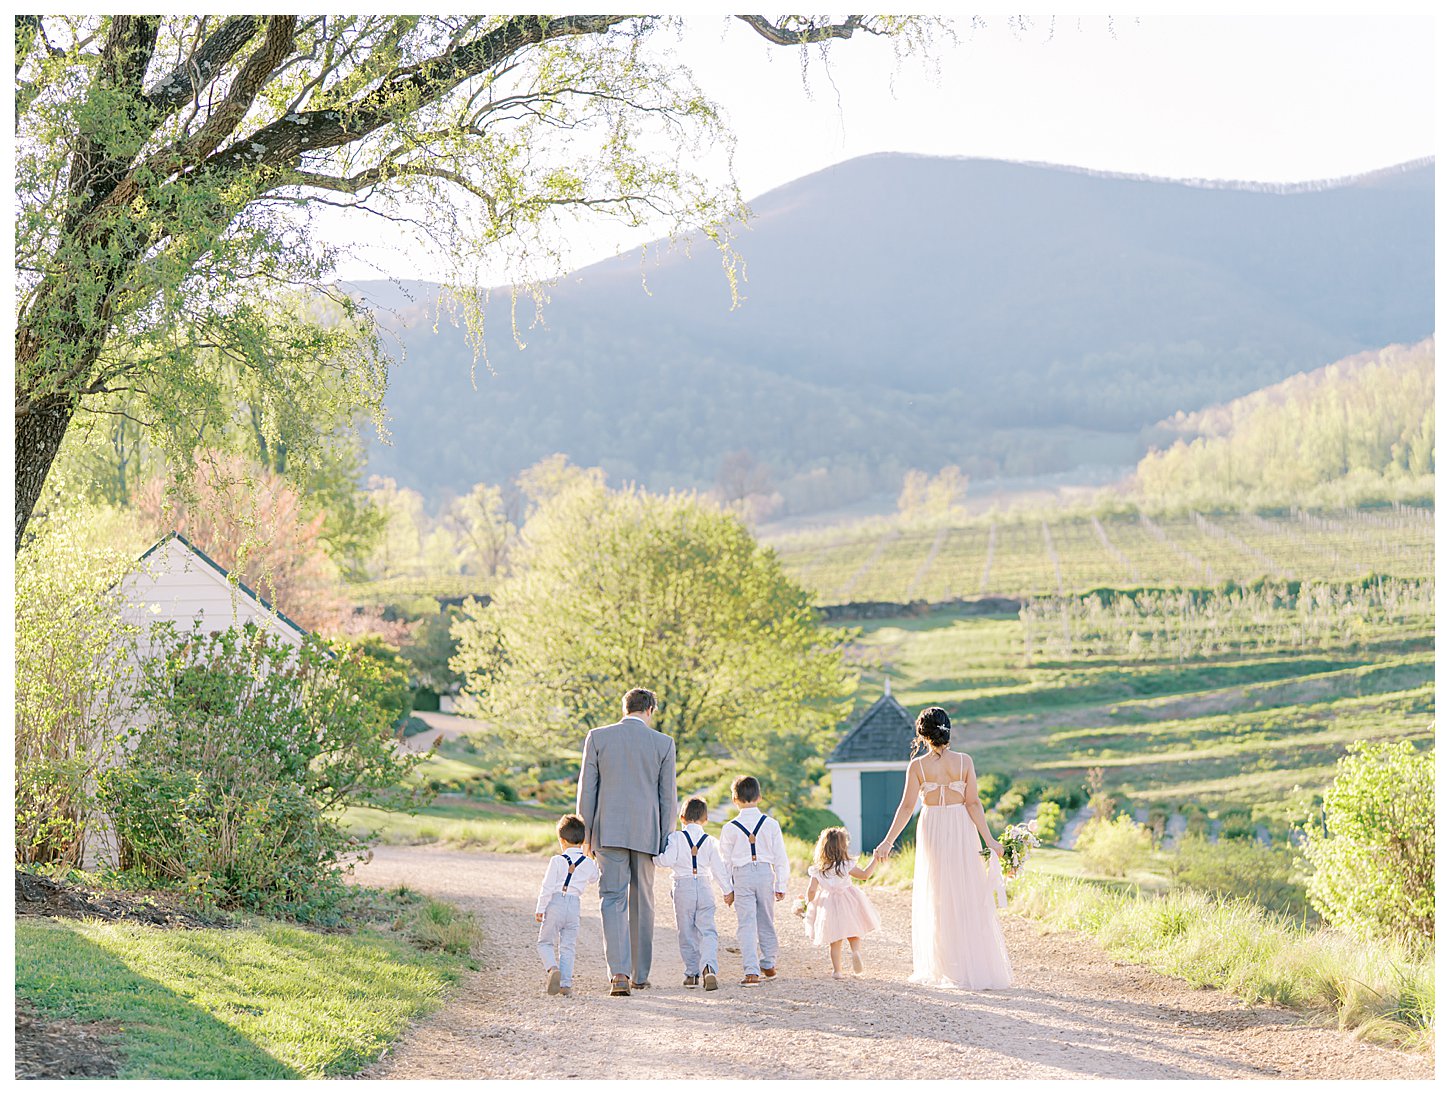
{"x": 184, "y": 82}
{"x": 783, "y": 35}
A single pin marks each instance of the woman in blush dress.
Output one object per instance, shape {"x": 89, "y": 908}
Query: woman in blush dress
{"x": 956, "y": 938}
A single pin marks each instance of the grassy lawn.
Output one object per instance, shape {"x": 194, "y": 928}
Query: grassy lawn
{"x": 263, "y": 1000}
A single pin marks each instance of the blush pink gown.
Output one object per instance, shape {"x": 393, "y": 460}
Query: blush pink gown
{"x": 956, "y": 937}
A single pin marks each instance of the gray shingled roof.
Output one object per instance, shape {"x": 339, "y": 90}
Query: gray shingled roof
{"x": 884, "y": 734}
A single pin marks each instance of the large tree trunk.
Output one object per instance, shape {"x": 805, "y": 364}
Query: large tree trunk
{"x": 39, "y": 430}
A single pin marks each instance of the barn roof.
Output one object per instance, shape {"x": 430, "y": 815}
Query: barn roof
{"x": 221, "y": 570}
{"x": 884, "y": 734}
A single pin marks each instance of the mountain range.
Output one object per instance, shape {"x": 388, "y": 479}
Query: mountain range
{"x": 906, "y": 311}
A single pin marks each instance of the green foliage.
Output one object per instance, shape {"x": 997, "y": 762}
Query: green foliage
{"x": 1374, "y": 860}
{"x": 1238, "y": 868}
{"x": 387, "y": 674}
{"x": 1114, "y": 847}
{"x": 246, "y": 745}
{"x": 611, "y": 590}
{"x": 1383, "y": 993}
{"x": 1358, "y": 418}
{"x": 72, "y": 668}
{"x": 1049, "y": 822}
{"x": 808, "y": 822}
{"x": 430, "y": 648}
{"x": 990, "y": 787}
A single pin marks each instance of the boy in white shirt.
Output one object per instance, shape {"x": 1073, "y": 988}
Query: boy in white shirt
{"x": 570, "y": 873}
{"x": 694, "y": 856}
{"x": 754, "y": 852}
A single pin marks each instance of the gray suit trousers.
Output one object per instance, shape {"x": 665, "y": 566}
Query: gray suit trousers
{"x": 627, "y": 907}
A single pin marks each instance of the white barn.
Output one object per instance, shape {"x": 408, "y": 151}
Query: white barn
{"x": 175, "y": 580}
{"x": 868, "y": 771}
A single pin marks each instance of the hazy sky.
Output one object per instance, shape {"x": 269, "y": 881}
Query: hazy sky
{"x": 1261, "y": 97}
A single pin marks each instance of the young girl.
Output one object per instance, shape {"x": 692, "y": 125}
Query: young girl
{"x": 836, "y": 910}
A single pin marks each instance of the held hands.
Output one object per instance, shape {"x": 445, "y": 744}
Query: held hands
{"x": 779, "y": 896}
{"x": 539, "y": 917}
{"x": 730, "y": 899}
{"x": 882, "y": 852}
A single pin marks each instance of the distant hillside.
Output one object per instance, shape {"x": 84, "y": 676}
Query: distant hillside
{"x": 1369, "y": 418}
{"x": 906, "y": 311}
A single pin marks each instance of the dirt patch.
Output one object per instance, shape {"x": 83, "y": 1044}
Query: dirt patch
{"x": 62, "y": 1049}
{"x": 36, "y": 895}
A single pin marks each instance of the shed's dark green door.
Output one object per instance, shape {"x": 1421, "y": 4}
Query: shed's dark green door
{"x": 880, "y": 795}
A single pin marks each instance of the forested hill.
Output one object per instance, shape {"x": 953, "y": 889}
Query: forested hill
{"x": 909, "y": 311}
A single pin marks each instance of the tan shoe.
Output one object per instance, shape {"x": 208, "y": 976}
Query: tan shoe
{"x": 711, "y": 981}
{"x": 619, "y": 986}
{"x": 768, "y": 974}
{"x": 639, "y": 984}
{"x": 751, "y": 980}
{"x": 565, "y": 990}
{"x": 692, "y": 981}
{"x": 551, "y": 982}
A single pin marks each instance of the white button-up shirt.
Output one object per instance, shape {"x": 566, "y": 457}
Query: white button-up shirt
{"x": 584, "y": 874}
{"x": 676, "y": 856}
{"x": 769, "y": 845}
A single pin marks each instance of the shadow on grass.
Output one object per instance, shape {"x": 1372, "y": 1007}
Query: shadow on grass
{"x": 162, "y": 1035}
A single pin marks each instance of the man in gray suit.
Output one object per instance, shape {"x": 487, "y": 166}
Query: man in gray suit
{"x": 627, "y": 801}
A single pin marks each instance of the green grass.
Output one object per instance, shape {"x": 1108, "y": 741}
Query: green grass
{"x": 1381, "y": 993}
{"x": 261, "y": 1001}
{"x": 463, "y": 824}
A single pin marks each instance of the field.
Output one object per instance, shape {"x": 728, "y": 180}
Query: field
{"x": 1256, "y": 731}
{"x": 1021, "y": 556}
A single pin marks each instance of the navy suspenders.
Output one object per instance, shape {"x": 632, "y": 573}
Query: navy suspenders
{"x": 750, "y": 833}
{"x": 695, "y": 851}
{"x": 573, "y": 864}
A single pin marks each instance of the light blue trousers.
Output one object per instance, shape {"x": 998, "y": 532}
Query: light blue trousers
{"x": 755, "y": 916}
{"x": 695, "y": 921}
{"x": 557, "y": 935}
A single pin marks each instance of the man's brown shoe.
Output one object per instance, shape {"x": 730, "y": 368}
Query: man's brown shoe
{"x": 768, "y": 974}
{"x": 692, "y": 981}
{"x": 619, "y": 986}
{"x": 565, "y": 990}
{"x": 639, "y": 984}
{"x": 711, "y": 981}
{"x": 750, "y": 980}
{"x": 551, "y": 982}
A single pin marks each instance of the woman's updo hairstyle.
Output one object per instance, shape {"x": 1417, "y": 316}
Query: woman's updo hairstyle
{"x": 933, "y": 728}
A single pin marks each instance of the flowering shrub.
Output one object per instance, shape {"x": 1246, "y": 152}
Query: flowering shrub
{"x": 246, "y": 745}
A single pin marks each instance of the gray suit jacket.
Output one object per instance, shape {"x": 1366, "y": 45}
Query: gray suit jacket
{"x": 627, "y": 787}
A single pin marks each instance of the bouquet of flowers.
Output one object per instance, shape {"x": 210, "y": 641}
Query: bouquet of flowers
{"x": 1017, "y": 840}
{"x": 800, "y": 907}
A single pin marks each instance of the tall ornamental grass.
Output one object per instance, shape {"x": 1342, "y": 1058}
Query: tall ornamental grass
{"x": 1384, "y": 993}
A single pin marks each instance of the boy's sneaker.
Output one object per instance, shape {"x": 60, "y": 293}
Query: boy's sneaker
{"x": 711, "y": 981}
{"x": 565, "y": 990}
{"x": 692, "y": 980}
{"x": 768, "y": 973}
{"x": 551, "y": 982}
{"x": 751, "y": 980}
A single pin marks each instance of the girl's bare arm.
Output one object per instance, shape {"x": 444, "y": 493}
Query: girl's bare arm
{"x": 866, "y": 871}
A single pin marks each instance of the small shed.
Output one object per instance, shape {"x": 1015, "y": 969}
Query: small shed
{"x": 868, "y": 771}
{"x": 176, "y": 580}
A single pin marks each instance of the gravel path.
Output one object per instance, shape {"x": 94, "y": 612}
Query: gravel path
{"x": 1073, "y": 1013}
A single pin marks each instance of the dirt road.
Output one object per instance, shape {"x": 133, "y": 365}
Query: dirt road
{"x": 1074, "y": 1012}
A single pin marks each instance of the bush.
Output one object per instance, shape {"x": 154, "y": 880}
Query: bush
{"x": 1067, "y": 796}
{"x": 1049, "y": 822}
{"x": 1236, "y": 823}
{"x": 1265, "y": 876}
{"x": 990, "y": 786}
{"x": 1114, "y": 847}
{"x": 1374, "y": 860}
{"x": 807, "y": 822}
{"x": 71, "y": 670}
{"x": 248, "y": 745}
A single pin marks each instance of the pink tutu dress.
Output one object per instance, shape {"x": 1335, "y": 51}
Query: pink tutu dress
{"x": 840, "y": 909}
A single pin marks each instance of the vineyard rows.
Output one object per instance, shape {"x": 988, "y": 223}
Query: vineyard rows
{"x": 1024, "y": 558}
